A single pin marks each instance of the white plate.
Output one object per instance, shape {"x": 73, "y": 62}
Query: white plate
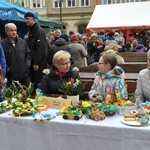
{"x": 133, "y": 123}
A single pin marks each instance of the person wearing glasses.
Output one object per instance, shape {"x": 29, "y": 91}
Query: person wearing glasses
{"x": 59, "y": 73}
{"x": 108, "y": 80}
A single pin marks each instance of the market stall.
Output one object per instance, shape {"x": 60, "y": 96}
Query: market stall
{"x": 15, "y": 14}
{"x": 121, "y": 17}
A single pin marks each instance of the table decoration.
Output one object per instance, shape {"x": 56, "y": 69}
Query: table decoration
{"x": 23, "y": 106}
{"x": 73, "y": 89}
{"x": 18, "y": 91}
{"x": 108, "y": 109}
{"x": 123, "y": 106}
{"x": 5, "y": 106}
{"x": 23, "y": 109}
{"x": 45, "y": 115}
{"x": 91, "y": 110}
{"x": 71, "y": 112}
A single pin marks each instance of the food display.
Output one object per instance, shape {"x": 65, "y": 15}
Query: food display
{"x": 136, "y": 117}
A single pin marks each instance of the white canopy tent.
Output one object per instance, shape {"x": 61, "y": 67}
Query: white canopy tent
{"x": 123, "y": 16}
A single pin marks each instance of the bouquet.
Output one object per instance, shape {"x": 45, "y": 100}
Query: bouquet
{"x": 73, "y": 87}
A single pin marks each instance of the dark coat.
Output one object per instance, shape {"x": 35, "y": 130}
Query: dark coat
{"x": 51, "y": 83}
{"x": 37, "y": 43}
{"x": 93, "y": 52}
{"x": 18, "y": 59}
{"x": 60, "y": 44}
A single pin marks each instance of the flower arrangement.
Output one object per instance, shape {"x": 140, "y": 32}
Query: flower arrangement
{"x": 111, "y": 104}
{"x": 92, "y": 111}
{"x": 71, "y": 112}
{"x": 18, "y": 91}
{"x": 73, "y": 87}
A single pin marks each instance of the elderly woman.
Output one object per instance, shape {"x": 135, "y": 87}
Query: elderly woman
{"x": 142, "y": 92}
{"x": 59, "y": 73}
{"x": 108, "y": 80}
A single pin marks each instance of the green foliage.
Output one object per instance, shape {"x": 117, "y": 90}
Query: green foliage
{"x": 72, "y": 87}
{"x": 18, "y": 91}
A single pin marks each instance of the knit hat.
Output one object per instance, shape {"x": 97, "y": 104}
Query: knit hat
{"x": 148, "y": 53}
{"x": 74, "y": 38}
{"x": 116, "y": 34}
{"x": 93, "y": 34}
{"x": 65, "y": 36}
{"x": 29, "y": 14}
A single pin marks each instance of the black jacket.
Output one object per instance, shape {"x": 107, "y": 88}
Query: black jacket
{"x": 18, "y": 59}
{"x": 51, "y": 83}
{"x": 60, "y": 44}
{"x": 37, "y": 43}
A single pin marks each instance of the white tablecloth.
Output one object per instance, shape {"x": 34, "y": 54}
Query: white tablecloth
{"x": 59, "y": 134}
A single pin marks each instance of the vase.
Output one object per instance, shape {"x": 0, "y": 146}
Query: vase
{"x": 74, "y": 98}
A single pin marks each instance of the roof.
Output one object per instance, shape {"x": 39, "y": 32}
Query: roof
{"x": 46, "y": 22}
{"x": 10, "y": 12}
{"x": 124, "y": 15}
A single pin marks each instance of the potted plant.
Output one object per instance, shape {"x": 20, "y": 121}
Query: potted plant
{"x": 73, "y": 89}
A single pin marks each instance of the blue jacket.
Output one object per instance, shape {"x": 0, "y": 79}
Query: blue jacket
{"x": 2, "y": 60}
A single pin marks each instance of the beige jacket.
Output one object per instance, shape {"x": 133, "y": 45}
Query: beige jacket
{"x": 142, "y": 92}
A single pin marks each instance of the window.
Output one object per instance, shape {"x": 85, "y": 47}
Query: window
{"x": 22, "y": 3}
{"x": 84, "y": 2}
{"x": 107, "y": 2}
{"x": 44, "y": 3}
{"x": 71, "y": 3}
{"x": 82, "y": 28}
{"x": 120, "y": 1}
{"x": 57, "y": 3}
{"x": 36, "y": 3}
{"x": 134, "y": 0}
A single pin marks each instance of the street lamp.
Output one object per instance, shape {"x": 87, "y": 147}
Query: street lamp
{"x": 60, "y": 6}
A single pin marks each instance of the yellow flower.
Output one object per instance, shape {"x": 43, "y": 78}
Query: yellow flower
{"x": 86, "y": 104}
{"x": 65, "y": 108}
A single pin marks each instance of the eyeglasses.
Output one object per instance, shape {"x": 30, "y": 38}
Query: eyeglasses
{"x": 69, "y": 62}
{"x": 99, "y": 63}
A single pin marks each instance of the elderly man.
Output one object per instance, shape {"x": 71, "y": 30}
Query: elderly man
{"x": 18, "y": 56}
{"x": 37, "y": 43}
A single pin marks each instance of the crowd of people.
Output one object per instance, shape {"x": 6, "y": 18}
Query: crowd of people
{"x": 50, "y": 61}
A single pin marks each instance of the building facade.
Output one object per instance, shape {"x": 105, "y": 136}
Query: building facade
{"x": 75, "y": 14}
